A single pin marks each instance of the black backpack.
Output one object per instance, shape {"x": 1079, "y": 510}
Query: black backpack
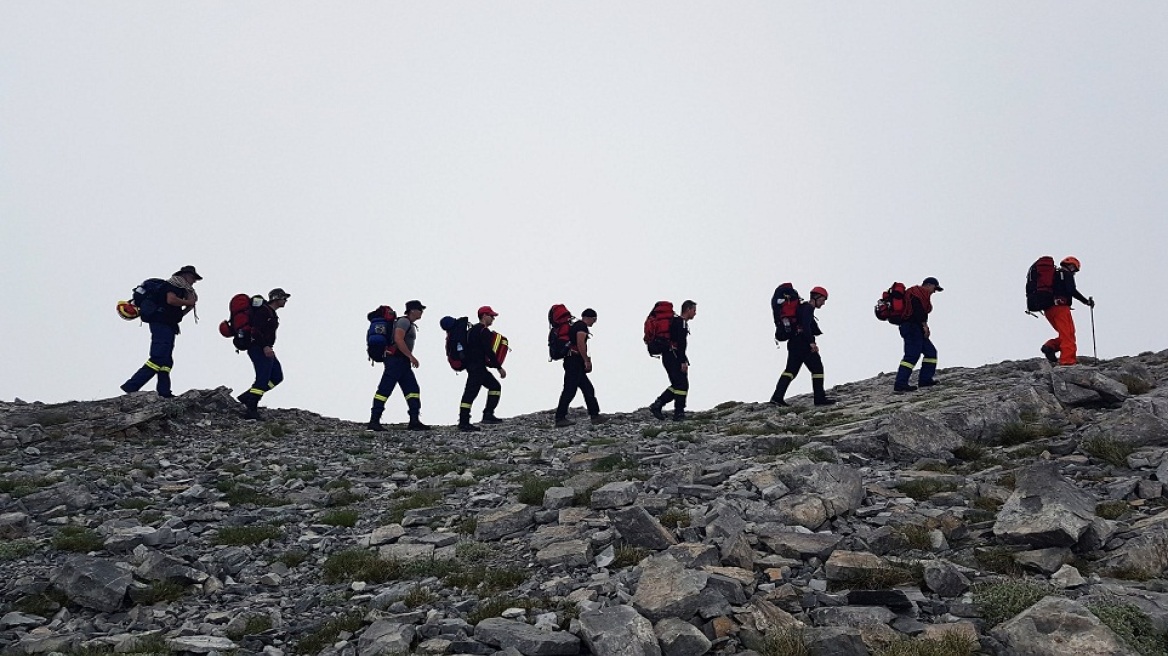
{"x": 150, "y": 299}
{"x": 784, "y": 305}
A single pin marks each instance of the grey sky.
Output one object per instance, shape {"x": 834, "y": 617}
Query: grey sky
{"x": 597, "y": 154}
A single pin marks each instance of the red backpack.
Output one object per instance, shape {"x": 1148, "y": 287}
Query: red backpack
{"x": 892, "y": 306}
{"x": 657, "y": 328}
{"x": 1040, "y": 285}
{"x": 784, "y": 307}
{"x": 559, "y": 322}
{"x": 238, "y": 326}
{"x": 499, "y": 346}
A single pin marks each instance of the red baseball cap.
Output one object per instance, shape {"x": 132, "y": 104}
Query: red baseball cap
{"x": 486, "y": 309}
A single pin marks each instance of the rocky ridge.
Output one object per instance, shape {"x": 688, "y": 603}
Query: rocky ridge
{"x": 1014, "y": 508}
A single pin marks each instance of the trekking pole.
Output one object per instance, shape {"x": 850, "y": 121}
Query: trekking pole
{"x": 1094, "y": 350}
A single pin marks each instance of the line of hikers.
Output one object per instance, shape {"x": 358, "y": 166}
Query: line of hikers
{"x": 476, "y": 349}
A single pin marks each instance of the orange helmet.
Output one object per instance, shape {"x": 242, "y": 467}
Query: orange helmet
{"x": 127, "y": 310}
{"x": 819, "y": 290}
{"x": 1073, "y": 261}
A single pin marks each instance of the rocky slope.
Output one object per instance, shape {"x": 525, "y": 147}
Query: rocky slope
{"x": 1012, "y": 509}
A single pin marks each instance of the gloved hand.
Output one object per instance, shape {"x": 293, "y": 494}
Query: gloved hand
{"x": 1090, "y": 302}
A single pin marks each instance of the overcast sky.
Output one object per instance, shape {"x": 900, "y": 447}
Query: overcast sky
{"x": 598, "y": 154}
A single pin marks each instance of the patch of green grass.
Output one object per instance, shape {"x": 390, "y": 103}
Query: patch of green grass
{"x": 883, "y": 578}
{"x": 486, "y": 580}
{"x": 785, "y": 641}
{"x": 277, "y": 429}
{"x": 726, "y": 405}
{"x": 924, "y": 488}
{"x": 532, "y": 488}
{"x": 428, "y": 468}
{"x": 419, "y": 596}
{"x": 22, "y": 487}
{"x": 1022, "y": 432}
{"x": 412, "y": 501}
{"x": 649, "y": 432}
{"x": 152, "y": 644}
{"x": 987, "y": 504}
{"x": 494, "y": 606}
{"x": 1111, "y": 509}
{"x": 1133, "y": 625}
{"x": 360, "y": 565}
{"x": 162, "y": 591}
{"x": 134, "y": 503}
{"x": 293, "y": 557}
{"x": 238, "y": 536}
{"x": 614, "y": 462}
{"x": 675, "y": 517}
{"x": 347, "y": 518}
{"x": 339, "y": 484}
{"x": 470, "y": 551}
{"x": 949, "y": 644}
{"x": 935, "y": 466}
{"x": 255, "y": 625}
{"x": 1133, "y": 572}
{"x": 1108, "y": 450}
{"x": 45, "y": 604}
{"x": 16, "y": 549}
{"x": 601, "y": 441}
{"x": 999, "y": 602}
{"x": 466, "y": 525}
{"x": 327, "y": 633}
{"x": 1008, "y": 480}
{"x": 998, "y": 559}
{"x": 77, "y": 538}
{"x": 344, "y": 498}
{"x": 239, "y": 495}
{"x": 750, "y": 429}
{"x": 627, "y": 555}
{"x": 915, "y": 536}
{"x": 1135, "y": 386}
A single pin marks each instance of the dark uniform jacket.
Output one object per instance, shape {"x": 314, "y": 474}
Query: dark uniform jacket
{"x": 266, "y": 322}
{"x": 478, "y": 347}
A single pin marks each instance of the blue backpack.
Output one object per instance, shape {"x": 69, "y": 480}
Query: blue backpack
{"x": 379, "y": 337}
{"x": 150, "y": 299}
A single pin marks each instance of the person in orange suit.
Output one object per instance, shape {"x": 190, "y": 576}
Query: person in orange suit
{"x": 1062, "y": 349}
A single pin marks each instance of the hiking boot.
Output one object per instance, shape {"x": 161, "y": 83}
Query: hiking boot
{"x": 926, "y": 383}
{"x": 655, "y": 410}
{"x": 252, "y": 413}
{"x": 376, "y": 427}
{"x": 564, "y": 423}
{"x": 678, "y": 416}
{"x": 468, "y": 428}
{"x": 126, "y": 388}
{"x": 826, "y": 401}
{"x": 1051, "y": 354}
{"x": 491, "y": 419}
{"x": 166, "y": 395}
{"x": 417, "y": 425}
{"x": 779, "y": 402}
{"x": 242, "y": 398}
{"x": 597, "y": 419}
{"x": 901, "y": 389}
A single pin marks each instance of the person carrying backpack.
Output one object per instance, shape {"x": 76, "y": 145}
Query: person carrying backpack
{"x": 478, "y": 356}
{"x": 177, "y": 297}
{"x": 676, "y": 364}
{"x": 268, "y": 373}
{"x": 915, "y": 331}
{"x": 1062, "y": 349}
{"x": 802, "y": 350}
{"x": 399, "y": 371}
{"x": 577, "y": 365}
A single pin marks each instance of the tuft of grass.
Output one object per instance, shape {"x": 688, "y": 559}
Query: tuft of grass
{"x": 787, "y": 641}
{"x": 675, "y": 517}
{"x": 1008, "y": 480}
{"x": 466, "y": 526}
{"x": 327, "y": 633}
{"x": 360, "y": 565}
{"x": 155, "y": 643}
{"x": 134, "y": 503}
{"x": 77, "y": 538}
{"x": 1021, "y": 432}
{"x": 1135, "y": 386}
{"x": 45, "y": 604}
{"x": 344, "y": 498}
{"x": 412, "y": 501}
{"x": 998, "y": 559}
{"x": 419, "y": 596}
{"x": 1108, "y": 450}
{"x": 1111, "y": 509}
{"x": 162, "y": 591}
{"x": 884, "y": 577}
{"x": 293, "y": 557}
{"x": 495, "y": 606}
{"x": 726, "y": 405}
{"x": 22, "y": 487}
{"x": 277, "y": 429}
{"x": 472, "y": 552}
{"x": 915, "y": 536}
{"x": 987, "y": 504}
{"x": 255, "y": 625}
{"x": 1133, "y": 625}
{"x": 532, "y": 489}
{"x": 16, "y": 549}
{"x": 346, "y": 517}
{"x": 949, "y": 644}
{"x": 999, "y": 602}
{"x": 238, "y": 536}
{"x": 238, "y": 495}
{"x": 614, "y": 462}
{"x": 749, "y": 429}
{"x": 650, "y": 432}
{"x": 627, "y": 555}
{"x": 924, "y": 488}
{"x": 486, "y": 580}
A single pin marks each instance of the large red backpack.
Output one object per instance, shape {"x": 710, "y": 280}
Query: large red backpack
{"x": 559, "y": 323}
{"x": 785, "y": 307}
{"x": 657, "y": 328}
{"x": 893, "y": 307}
{"x": 238, "y": 326}
{"x": 1040, "y": 285}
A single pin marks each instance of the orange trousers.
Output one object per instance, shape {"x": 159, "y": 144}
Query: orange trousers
{"x": 1060, "y": 319}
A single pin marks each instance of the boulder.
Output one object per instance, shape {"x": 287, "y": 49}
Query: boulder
{"x": 912, "y": 436}
{"x": 618, "y": 631}
{"x": 679, "y": 638}
{"x": 1141, "y": 421}
{"x": 570, "y": 553}
{"x": 790, "y": 544}
{"x": 1056, "y": 626}
{"x": 838, "y": 486}
{"x": 1045, "y": 510}
{"x": 494, "y": 524}
{"x": 615, "y": 495}
{"x": 524, "y": 638}
{"x": 640, "y": 529}
{"x": 943, "y": 578}
{"x": 852, "y": 565}
{"x": 93, "y": 583}
{"x": 1079, "y": 385}
{"x": 666, "y": 589}
{"x": 386, "y": 637}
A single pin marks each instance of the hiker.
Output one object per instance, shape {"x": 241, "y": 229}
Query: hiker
{"x": 399, "y": 371}
{"x": 802, "y": 350}
{"x": 180, "y": 298}
{"x": 268, "y": 373}
{"x": 676, "y": 364}
{"x": 577, "y": 365}
{"x": 480, "y": 355}
{"x": 1063, "y": 349}
{"x": 915, "y": 331}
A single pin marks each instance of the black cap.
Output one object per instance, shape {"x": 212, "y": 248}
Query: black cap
{"x": 588, "y": 313}
{"x": 277, "y": 294}
{"x": 933, "y": 281}
{"x": 188, "y": 269}
{"x": 414, "y": 305}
